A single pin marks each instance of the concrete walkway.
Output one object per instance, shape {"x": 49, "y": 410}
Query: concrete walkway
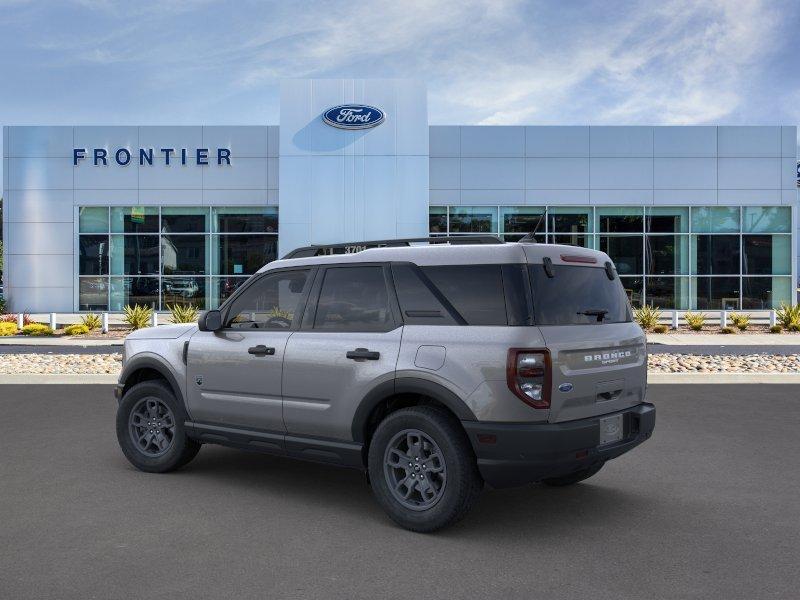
{"x": 718, "y": 339}
{"x": 26, "y": 340}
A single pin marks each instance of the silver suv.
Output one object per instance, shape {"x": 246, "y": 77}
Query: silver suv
{"x": 434, "y": 368}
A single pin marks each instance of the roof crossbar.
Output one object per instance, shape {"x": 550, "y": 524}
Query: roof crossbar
{"x": 352, "y": 247}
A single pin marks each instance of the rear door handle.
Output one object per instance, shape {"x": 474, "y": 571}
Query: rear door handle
{"x": 261, "y": 350}
{"x": 363, "y": 353}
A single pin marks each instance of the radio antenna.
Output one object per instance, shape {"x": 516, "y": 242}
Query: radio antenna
{"x": 530, "y": 238}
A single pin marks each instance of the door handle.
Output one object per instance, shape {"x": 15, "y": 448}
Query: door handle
{"x": 261, "y": 350}
{"x": 363, "y": 353}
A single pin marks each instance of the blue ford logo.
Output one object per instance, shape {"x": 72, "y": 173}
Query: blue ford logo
{"x": 353, "y": 116}
{"x": 565, "y": 387}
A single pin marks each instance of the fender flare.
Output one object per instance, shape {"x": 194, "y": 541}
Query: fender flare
{"x": 154, "y": 362}
{"x": 407, "y": 385}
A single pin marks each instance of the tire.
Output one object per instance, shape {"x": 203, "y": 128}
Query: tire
{"x": 166, "y": 450}
{"x": 575, "y": 477}
{"x": 453, "y": 483}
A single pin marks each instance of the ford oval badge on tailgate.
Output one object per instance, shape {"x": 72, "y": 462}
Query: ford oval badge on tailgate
{"x": 565, "y": 387}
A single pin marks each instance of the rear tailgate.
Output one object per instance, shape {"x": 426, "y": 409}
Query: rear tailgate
{"x": 597, "y": 369}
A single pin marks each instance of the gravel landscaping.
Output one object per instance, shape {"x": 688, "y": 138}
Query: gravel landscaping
{"x": 87, "y": 364}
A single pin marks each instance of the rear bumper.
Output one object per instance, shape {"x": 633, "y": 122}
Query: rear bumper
{"x": 523, "y": 453}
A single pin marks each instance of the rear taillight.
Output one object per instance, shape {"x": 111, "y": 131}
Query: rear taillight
{"x": 528, "y": 375}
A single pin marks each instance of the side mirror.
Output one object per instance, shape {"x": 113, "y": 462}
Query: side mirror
{"x": 210, "y": 320}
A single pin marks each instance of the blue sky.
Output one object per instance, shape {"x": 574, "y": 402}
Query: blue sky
{"x": 485, "y": 61}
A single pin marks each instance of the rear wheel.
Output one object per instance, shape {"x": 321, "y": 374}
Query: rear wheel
{"x": 150, "y": 428}
{"x": 422, "y": 469}
{"x": 573, "y": 477}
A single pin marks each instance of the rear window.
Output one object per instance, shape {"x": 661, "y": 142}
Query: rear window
{"x": 577, "y": 296}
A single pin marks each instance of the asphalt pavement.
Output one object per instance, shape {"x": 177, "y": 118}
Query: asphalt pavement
{"x": 708, "y": 508}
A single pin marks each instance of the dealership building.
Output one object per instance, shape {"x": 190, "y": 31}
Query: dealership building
{"x": 97, "y": 217}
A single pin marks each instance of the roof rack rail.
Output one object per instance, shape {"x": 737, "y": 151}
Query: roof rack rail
{"x": 352, "y": 247}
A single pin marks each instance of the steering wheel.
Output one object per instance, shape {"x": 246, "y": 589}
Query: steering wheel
{"x": 276, "y": 321}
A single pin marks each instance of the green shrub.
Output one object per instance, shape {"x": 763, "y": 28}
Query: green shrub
{"x": 727, "y": 329}
{"x": 775, "y": 329}
{"x": 8, "y": 329}
{"x": 647, "y": 316}
{"x": 695, "y": 321}
{"x": 180, "y": 313}
{"x": 660, "y": 329}
{"x": 37, "y": 329}
{"x": 740, "y": 321}
{"x": 2, "y": 305}
{"x": 138, "y": 317}
{"x": 788, "y": 315}
{"x": 92, "y": 321}
{"x": 794, "y": 327}
{"x": 76, "y": 329}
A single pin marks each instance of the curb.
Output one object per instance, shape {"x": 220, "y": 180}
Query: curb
{"x": 719, "y": 378}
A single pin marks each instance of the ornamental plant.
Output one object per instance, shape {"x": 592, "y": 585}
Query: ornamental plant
{"x": 740, "y": 321}
{"x": 92, "y": 321}
{"x": 660, "y": 329}
{"x": 695, "y": 321}
{"x": 647, "y": 316}
{"x": 775, "y": 329}
{"x": 727, "y": 330}
{"x": 76, "y": 329}
{"x": 12, "y": 318}
{"x": 37, "y": 329}
{"x": 137, "y": 317}
{"x": 180, "y": 313}
{"x": 788, "y": 315}
{"x": 7, "y": 328}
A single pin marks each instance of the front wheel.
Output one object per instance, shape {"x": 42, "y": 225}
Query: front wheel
{"x": 422, "y": 469}
{"x": 150, "y": 429}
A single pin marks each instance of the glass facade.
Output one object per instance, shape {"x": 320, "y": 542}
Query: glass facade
{"x": 673, "y": 257}
{"x": 160, "y": 256}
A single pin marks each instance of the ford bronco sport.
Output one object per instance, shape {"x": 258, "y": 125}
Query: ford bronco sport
{"x": 434, "y": 368}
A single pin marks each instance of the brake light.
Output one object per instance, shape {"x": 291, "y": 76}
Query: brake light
{"x": 576, "y": 258}
{"x": 528, "y": 376}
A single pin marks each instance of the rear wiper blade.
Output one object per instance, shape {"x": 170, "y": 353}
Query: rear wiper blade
{"x": 594, "y": 312}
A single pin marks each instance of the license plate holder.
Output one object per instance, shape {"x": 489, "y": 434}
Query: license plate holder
{"x": 611, "y": 429}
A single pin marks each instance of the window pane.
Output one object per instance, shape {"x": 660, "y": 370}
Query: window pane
{"x": 634, "y": 289}
{"x": 437, "y": 219}
{"x": 716, "y": 293}
{"x": 565, "y": 219}
{"x": 353, "y": 299}
{"x": 93, "y": 293}
{"x": 183, "y": 254}
{"x": 134, "y": 219}
{"x": 93, "y": 255}
{"x": 222, "y": 288}
{"x": 183, "y": 291}
{"x": 246, "y": 219}
{"x": 522, "y": 220}
{"x": 767, "y": 255}
{"x": 269, "y": 303}
{"x": 585, "y": 241}
{"x": 565, "y": 298}
{"x": 668, "y": 292}
{"x": 626, "y": 252}
{"x": 134, "y": 290}
{"x": 134, "y": 254}
{"x": 766, "y": 292}
{"x": 621, "y": 219}
{"x": 244, "y": 254}
{"x": 179, "y": 219}
{"x": 715, "y": 219}
{"x": 93, "y": 219}
{"x": 667, "y": 254}
{"x": 767, "y": 219}
{"x": 540, "y": 238}
{"x": 417, "y": 302}
{"x": 473, "y": 219}
{"x": 482, "y": 304}
{"x": 667, "y": 219}
{"x": 716, "y": 254}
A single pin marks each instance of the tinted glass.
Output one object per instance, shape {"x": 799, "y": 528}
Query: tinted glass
{"x": 183, "y": 254}
{"x": 93, "y": 219}
{"x": 246, "y": 220}
{"x": 717, "y": 254}
{"x": 225, "y": 286}
{"x": 353, "y": 299}
{"x": 717, "y": 293}
{"x": 715, "y": 219}
{"x": 565, "y": 298}
{"x": 475, "y": 291}
{"x": 184, "y": 220}
{"x": 437, "y": 219}
{"x": 667, "y": 219}
{"x": 768, "y": 219}
{"x": 418, "y": 302}
{"x": 134, "y": 219}
{"x": 667, "y": 292}
{"x": 634, "y": 289}
{"x": 522, "y": 220}
{"x": 134, "y": 290}
{"x": 93, "y": 255}
{"x": 245, "y": 254}
{"x": 473, "y": 219}
{"x": 93, "y": 293}
{"x": 183, "y": 290}
{"x": 134, "y": 254}
{"x": 625, "y": 251}
{"x": 620, "y": 220}
{"x": 569, "y": 223}
{"x": 766, "y": 255}
{"x": 666, "y": 254}
{"x": 584, "y": 241}
{"x": 271, "y": 302}
{"x": 764, "y": 293}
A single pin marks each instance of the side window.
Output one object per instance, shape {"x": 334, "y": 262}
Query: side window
{"x": 417, "y": 302}
{"x": 353, "y": 299}
{"x": 270, "y": 303}
{"x": 475, "y": 291}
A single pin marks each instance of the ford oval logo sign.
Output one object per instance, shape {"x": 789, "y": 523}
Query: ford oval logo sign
{"x": 353, "y": 116}
{"x": 565, "y": 387}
